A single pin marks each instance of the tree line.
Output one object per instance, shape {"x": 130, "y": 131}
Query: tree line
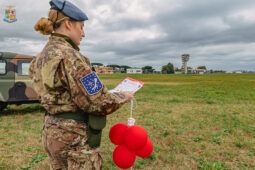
{"x": 165, "y": 69}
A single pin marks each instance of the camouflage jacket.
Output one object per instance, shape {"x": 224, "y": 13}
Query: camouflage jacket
{"x": 61, "y": 76}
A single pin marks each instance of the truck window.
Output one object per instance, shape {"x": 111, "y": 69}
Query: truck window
{"x": 2, "y": 67}
{"x": 23, "y": 67}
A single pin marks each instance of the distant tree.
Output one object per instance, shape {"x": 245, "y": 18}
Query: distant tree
{"x": 147, "y": 69}
{"x": 168, "y": 69}
{"x": 201, "y": 67}
{"x": 124, "y": 68}
{"x": 176, "y": 69}
{"x": 113, "y": 66}
{"x": 96, "y": 64}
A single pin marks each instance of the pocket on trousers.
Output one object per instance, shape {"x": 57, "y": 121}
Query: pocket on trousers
{"x": 58, "y": 140}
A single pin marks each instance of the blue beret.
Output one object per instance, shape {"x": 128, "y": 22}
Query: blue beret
{"x": 68, "y": 9}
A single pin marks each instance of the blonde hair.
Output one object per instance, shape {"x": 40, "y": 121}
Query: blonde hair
{"x": 47, "y": 25}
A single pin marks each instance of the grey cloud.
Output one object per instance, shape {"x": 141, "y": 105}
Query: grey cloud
{"x": 205, "y": 29}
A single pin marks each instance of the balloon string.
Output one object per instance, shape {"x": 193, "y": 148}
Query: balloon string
{"x": 131, "y": 120}
{"x": 131, "y": 109}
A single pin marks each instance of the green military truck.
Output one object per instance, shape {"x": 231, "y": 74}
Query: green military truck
{"x": 15, "y": 85}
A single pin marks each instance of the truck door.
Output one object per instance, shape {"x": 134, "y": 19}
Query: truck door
{"x": 7, "y": 75}
{"x": 23, "y": 85}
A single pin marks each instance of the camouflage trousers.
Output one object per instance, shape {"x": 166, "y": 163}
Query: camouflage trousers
{"x": 65, "y": 141}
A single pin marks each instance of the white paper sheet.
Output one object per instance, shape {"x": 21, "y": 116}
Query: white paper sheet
{"x": 128, "y": 85}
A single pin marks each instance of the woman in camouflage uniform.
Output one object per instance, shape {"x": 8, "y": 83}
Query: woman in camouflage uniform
{"x": 75, "y": 99}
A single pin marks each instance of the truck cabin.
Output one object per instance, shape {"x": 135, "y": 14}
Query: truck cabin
{"x": 15, "y": 84}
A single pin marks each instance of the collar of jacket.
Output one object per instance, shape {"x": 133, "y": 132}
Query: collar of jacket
{"x": 67, "y": 40}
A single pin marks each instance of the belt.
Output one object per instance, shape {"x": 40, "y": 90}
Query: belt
{"x": 78, "y": 116}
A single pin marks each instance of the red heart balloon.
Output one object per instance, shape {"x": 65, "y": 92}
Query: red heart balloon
{"x": 123, "y": 157}
{"x": 135, "y": 137}
{"x": 146, "y": 150}
{"x": 117, "y": 132}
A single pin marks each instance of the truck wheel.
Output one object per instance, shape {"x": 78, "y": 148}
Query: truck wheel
{"x": 2, "y": 106}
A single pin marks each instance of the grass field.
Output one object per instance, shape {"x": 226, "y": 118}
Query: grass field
{"x": 194, "y": 121}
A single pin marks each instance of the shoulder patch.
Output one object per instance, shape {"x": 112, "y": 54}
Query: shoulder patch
{"x": 91, "y": 83}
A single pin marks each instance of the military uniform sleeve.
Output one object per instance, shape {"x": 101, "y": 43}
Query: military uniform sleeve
{"x": 86, "y": 89}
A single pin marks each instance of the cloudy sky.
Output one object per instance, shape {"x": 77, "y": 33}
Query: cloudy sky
{"x": 219, "y": 34}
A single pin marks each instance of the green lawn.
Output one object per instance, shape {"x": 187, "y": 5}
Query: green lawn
{"x": 194, "y": 121}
